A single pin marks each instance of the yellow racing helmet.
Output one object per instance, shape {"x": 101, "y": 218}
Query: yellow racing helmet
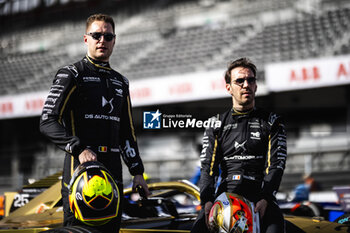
{"x": 93, "y": 194}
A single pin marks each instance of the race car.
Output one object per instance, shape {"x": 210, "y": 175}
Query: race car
{"x": 172, "y": 207}
{"x": 331, "y": 205}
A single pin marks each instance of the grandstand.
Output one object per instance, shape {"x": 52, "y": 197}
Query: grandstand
{"x": 186, "y": 49}
{"x": 162, "y": 39}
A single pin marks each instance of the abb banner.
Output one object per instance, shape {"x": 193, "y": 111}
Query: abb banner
{"x": 308, "y": 73}
{"x": 204, "y": 85}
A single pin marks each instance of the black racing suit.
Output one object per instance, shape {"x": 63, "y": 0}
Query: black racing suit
{"x": 88, "y": 106}
{"x": 250, "y": 149}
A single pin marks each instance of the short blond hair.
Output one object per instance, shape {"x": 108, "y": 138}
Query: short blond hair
{"x": 99, "y": 17}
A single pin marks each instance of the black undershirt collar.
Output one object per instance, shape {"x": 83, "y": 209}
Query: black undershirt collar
{"x": 235, "y": 112}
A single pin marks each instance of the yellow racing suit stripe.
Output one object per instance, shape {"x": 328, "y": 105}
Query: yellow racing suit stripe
{"x": 130, "y": 118}
{"x": 65, "y": 103}
{"x": 269, "y": 156}
{"x": 213, "y": 156}
{"x": 73, "y": 132}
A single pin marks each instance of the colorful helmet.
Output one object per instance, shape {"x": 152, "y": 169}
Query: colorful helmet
{"x": 94, "y": 196}
{"x": 231, "y": 213}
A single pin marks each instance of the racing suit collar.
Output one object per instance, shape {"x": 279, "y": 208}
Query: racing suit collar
{"x": 235, "y": 112}
{"x": 97, "y": 64}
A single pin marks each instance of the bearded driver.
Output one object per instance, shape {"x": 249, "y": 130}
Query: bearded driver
{"x": 249, "y": 147}
{"x": 88, "y": 115}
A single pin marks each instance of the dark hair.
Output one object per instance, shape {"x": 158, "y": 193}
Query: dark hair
{"x": 99, "y": 17}
{"x": 241, "y": 62}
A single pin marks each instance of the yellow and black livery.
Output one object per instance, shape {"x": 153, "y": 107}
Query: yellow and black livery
{"x": 93, "y": 194}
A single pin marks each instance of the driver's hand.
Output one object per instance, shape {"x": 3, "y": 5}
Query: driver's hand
{"x": 139, "y": 180}
{"x": 261, "y": 207}
{"x": 87, "y": 155}
{"x": 207, "y": 208}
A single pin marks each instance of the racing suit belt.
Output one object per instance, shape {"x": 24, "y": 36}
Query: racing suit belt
{"x": 104, "y": 149}
{"x": 233, "y": 177}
